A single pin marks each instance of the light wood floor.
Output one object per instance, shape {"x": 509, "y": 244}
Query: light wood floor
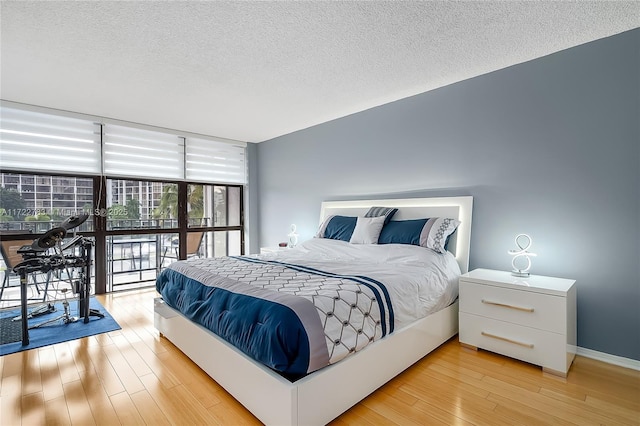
{"x": 132, "y": 376}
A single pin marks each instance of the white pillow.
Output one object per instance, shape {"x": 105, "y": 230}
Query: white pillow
{"x": 367, "y": 230}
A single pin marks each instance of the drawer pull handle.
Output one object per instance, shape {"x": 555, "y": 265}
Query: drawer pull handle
{"x": 526, "y": 345}
{"x": 504, "y": 305}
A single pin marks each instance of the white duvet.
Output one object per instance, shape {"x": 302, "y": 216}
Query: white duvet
{"x": 419, "y": 280}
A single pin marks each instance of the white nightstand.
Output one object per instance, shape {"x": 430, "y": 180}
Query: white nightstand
{"x": 532, "y": 319}
{"x": 266, "y": 250}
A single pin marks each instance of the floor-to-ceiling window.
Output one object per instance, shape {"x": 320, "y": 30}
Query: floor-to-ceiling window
{"x": 151, "y": 196}
{"x": 144, "y": 226}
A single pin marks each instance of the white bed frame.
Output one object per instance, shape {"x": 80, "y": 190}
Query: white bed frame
{"x": 325, "y": 394}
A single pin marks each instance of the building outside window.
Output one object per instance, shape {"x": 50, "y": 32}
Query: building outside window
{"x": 56, "y": 198}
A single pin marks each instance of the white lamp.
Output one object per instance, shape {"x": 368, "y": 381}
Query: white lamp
{"x": 523, "y": 241}
{"x": 293, "y": 236}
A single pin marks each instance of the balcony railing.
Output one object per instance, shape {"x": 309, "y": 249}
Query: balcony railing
{"x": 133, "y": 261}
{"x": 31, "y": 227}
{"x": 39, "y": 227}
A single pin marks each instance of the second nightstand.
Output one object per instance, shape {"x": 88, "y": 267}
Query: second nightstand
{"x": 274, "y": 249}
{"x": 532, "y": 319}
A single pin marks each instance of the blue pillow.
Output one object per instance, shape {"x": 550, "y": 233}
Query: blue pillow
{"x": 431, "y": 233}
{"x": 402, "y": 232}
{"x": 337, "y": 228}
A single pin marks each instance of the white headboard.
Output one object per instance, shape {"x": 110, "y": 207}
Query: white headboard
{"x": 418, "y": 208}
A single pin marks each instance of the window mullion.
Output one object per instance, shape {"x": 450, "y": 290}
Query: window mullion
{"x": 182, "y": 218}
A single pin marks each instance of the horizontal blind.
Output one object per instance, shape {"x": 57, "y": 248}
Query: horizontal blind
{"x": 216, "y": 162}
{"x": 35, "y": 141}
{"x": 133, "y": 152}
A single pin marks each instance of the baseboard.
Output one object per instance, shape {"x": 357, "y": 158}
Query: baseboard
{"x": 609, "y": 359}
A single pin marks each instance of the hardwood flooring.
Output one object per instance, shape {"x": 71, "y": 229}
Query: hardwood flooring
{"x": 132, "y": 376}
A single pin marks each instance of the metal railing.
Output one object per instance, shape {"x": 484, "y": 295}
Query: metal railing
{"x": 133, "y": 261}
{"x": 39, "y": 227}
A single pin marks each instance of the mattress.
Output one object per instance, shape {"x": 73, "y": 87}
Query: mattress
{"x": 298, "y": 310}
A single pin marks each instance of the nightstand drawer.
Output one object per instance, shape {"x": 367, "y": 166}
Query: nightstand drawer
{"x": 528, "y": 344}
{"x": 541, "y": 311}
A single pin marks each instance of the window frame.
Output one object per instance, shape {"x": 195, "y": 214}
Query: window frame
{"x": 100, "y": 232}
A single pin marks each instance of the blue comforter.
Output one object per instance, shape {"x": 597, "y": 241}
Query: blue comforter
{"x": 290, "y": 318}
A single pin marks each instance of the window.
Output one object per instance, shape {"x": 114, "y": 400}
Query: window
{"x": 130, "y": 179}
{"x": 214, "y": 205}
{"x": 135, "y": 260}
{"x": 227, "y": 243}
{"x": 217, "y": 211}
{"x": 23, "y": 209}
{"x": 139, "y": 204}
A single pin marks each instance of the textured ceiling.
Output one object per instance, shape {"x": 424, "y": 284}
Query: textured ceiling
{"x": 252, "y": 71}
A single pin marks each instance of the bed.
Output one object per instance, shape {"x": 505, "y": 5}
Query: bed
{"x": 320, "y": 391}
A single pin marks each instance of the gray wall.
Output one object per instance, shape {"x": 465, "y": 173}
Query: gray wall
{"x": 549, "y": 147}
{"x": 251, "y": 202}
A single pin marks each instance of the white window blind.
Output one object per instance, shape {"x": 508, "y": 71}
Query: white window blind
{"x": 216, "y": 162}
{"x": 133, "y": 152}
{"x": 35, "y": 141}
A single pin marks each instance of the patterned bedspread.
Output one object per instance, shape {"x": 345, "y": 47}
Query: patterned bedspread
{"x": 292, "y": 318}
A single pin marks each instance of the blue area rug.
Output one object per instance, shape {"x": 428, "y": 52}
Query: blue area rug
{"x": 54, "y": 332}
